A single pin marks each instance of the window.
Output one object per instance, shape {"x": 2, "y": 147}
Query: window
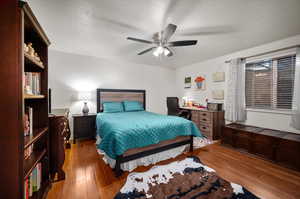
{"x": 270, "y": 83}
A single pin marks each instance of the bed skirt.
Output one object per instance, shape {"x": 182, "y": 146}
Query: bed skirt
{"x": 152, "y": 159}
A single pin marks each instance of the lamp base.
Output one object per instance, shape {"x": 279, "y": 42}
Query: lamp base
{"x": 85, "y": 109}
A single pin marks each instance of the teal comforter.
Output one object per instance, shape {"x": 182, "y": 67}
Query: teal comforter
{"x": 126, "y": 130}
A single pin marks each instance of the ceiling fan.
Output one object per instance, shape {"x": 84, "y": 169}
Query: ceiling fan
{"x": 161, "y": 42}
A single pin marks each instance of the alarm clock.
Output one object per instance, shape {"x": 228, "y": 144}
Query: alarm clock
{"x": 214, "y": 106}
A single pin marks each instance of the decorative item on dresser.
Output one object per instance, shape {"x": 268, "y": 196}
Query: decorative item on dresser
{"x": 214, "y": 106}
{"x": 209, "y": 122}
{"x": 58, "y": 131}
{"x": 280, "y": 147}
{"x": 84, "y": 126}
{"x": 24, "y": 167}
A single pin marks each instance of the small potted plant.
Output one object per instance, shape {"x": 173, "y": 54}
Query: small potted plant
{"x": 199, "y": 82}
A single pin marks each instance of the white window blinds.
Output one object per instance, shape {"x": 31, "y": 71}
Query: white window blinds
{"x": 270, "y": 83}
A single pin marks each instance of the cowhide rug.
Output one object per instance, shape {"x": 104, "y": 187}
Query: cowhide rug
{"x": 185, "y": 179}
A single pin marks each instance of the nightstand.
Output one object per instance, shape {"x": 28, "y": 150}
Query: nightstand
{"x": 84, "y": 126}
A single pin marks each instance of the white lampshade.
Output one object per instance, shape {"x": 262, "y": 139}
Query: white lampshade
{"x": 84, "y": 96}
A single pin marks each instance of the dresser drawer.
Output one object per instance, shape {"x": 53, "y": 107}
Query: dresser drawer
{"x": 208, "y": 122}
{"x": 206, "y": 130}
{"x": 195, "y": 116}
{"x": 205, "y": 117}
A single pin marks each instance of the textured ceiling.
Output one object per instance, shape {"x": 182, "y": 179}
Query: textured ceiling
{"x": 100, "y": 27}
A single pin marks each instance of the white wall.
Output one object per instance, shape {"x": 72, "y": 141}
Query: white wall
{"x": 262, "y": 119}
{"x": 71, "y": 73}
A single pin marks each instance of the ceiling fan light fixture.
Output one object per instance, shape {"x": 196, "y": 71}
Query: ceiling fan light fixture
{"x": 158, "y": 51}
{"x": 166, "y": 52}
{"x": 155, "y": 53}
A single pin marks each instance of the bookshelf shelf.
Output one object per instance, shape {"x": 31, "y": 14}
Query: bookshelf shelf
{"x": 26, "y": 96}
{"x": 30, "y": 60}
{"x": 31, "y": 162}
{"x": 38, "y": 133}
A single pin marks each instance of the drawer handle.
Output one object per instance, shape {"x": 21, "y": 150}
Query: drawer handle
{"x": 204, "y": 114}
{"x": 204, "y": 119}
{"x": 204, "y": 127}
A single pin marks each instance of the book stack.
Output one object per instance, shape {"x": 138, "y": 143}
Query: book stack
{"x": 33, "y": 182}
{"x": 32, "y": 83}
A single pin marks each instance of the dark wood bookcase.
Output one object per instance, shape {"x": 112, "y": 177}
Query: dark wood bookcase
{"x": 19, "y": 26}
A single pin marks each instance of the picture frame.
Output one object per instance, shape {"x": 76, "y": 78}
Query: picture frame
{"x": 188, "y": 82}
{"x": 218, "y": 94}
{"x": 218, "y": 77}
{"x": 200, "y": 82}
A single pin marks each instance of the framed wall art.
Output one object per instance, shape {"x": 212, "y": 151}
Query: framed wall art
{"x": 218, "y": 77}
{"x": 187, "y": 82}
{"x": 200, "y": 82}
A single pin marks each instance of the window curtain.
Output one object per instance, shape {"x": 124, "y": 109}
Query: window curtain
{"x": 296, "y": 96}
{"x": 235, "y": 103}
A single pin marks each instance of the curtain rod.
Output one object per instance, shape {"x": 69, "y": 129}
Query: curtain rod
{"x": 260, "y": 54}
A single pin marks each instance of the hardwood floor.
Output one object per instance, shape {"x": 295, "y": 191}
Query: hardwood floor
{"x": 88, "y": 177}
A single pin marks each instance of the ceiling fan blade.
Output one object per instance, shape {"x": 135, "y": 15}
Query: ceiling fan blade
{"x": 182, "y": 43}
{"x": 168, "y": 32}
{"x": 178, "y": 11}
{"x": 169, "y": 11}
{"x": 140, "y": 40}
{"x": 147, "y": 50}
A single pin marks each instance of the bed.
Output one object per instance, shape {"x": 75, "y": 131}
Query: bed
{"x": 127, "y": 136}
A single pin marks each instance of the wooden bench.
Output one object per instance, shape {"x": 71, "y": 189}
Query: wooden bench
{"x": 280, "y": 147}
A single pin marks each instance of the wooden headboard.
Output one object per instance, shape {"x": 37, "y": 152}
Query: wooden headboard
{"x": 119, "y": 95}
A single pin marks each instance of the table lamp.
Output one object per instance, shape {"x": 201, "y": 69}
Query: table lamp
{"x": 85, "y": 97}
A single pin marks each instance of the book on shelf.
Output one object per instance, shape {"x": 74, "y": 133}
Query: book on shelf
{"x": 26, "y": 124}
{"x": 32, "y": 83}
{"x": 28, "y": 129}
{"x": 30, "y": 187}
{"x": 28, "y": 121}
{"x": 33, "y": 182}
{"x": 26, "y": 193}
{"x": 39, "y": 175}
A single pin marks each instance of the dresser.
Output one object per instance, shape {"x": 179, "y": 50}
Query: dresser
{"x": 210, "y": 123}
{"x": 59, "y": 130}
